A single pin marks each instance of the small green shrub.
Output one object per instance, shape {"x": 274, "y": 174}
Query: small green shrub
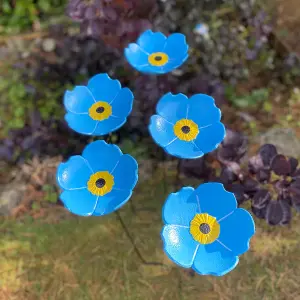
{"x": 250, "y": 100}
{"x": 19, "y": 97}
{"x": 20, "y": 15}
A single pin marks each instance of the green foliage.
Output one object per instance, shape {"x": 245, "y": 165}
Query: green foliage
{"x": 18, "y": 100}
{"x": 19, "y": 15}
{"x": 15, "y": 102}
{"x": 137, "y": 150}
{"x": 35, "y": 206}
{"x": 51, "y": 193}
{"x": 250, "y": 100}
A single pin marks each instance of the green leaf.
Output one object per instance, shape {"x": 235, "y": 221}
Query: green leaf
{"x": 35, "y": 206}
{"x": 52, "y": 198}
{"x": 44, "y": 5}
{"x": 251, "y": 100}
{"x": 230, "y": 92}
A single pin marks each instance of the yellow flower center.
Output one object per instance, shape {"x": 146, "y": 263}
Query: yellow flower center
{"x": 204, "y": 228}
{"x": 158, "y": 59}
{"x": 100, "y": 111}
{"x": 186, "y": 130}
{"x": 100, "y": 183}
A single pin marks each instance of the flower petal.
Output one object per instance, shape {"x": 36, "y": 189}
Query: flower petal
{"x": 152, "y": 70}
{"x": 111, "y": 202}
{"x": 136, "y": 56}
{"x": 236, "y": 231}
{"x": 161, "y": 130}
{"x": 210, "y": 137}
{"x": 176, "y": 46}
{"x": 73, "y": 174}
{"x": 178, "y": 209}
{"x": 109, "y": 125}
{"x": 173, "y": 107}
{"x": 202, "y": 110}
{"x": 183, "y": 149}
{"x": 83, "y": 124}
{"x": 104, "y": 88}
{"x": 125, "y": 173}
{"x": 102, "y": 156}
{"x": 174, "y": 64}
{"x": 213, "y": 263}
{"x": 122, "y": 104}
{"x": 214, "y": 200}
{"x": 79, "y": 202}
{"x": 79, "y": 100}
{"x": 152, "y": 42}
{"x": 179, "y": 245}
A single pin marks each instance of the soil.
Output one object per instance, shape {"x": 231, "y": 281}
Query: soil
{"x": 288, "y": 23}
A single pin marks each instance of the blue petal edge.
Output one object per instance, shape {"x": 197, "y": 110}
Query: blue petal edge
{"x": 184, "y": 189}
{"x": 220, "y": 274}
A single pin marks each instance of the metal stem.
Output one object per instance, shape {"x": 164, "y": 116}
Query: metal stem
{"x": 137, "y": 251}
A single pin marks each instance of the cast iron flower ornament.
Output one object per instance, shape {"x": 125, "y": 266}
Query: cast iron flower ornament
{"x": 187, "y": 127}
{"x": 98, "y": 108}
{"x": 157, "y": 54}
{"x": 205, "y": 230}
{"x": 99, "y": 181}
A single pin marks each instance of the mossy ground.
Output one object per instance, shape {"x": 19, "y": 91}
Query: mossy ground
{"x": 65, "y": 257}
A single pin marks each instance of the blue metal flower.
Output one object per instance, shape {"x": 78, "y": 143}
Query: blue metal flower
{"x": 205, "y": 230}
{"x": 187, "y": 128}
{"x": 98, "y": 108}
{"x": 99, "y": 181}
{"x": 157, "y": 54}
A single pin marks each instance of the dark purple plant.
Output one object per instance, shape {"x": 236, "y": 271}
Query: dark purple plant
{"x": 270, "y": 181}
{"x": 117, "y": 22}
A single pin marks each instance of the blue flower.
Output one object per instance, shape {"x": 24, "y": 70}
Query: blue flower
{"x": 98, "y": 108}
{"x": 99, "y": 181}
{"x": 205, "y": 230}
{"x": 187, "y": 128}
{"x": 156, "y": 53}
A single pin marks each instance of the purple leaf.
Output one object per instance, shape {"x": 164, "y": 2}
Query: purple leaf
{"x": 227, "y": 176}
{"x": 238, "y": 191}
{"x": 6, "y": 153}
{"x": 267, "y": 152}
{"x": 287, "y": 214}
{"x": 296, "y": 174}
{"x": 295, "y": 187}
{"x": 35, "y": 120}
{"x": 280, "y": 165}
{"x": 286, "y": 198}
{"x": 263, "y": 175}
{"x": 259, "y": 212}
{"x": 296, "y": 202}
{"x": 294, "y": 164}
{"x": 90, "y": 13}
{"x": 29, "y": 141}
{"x": 251, "y": 186}
{"x": 76, "y": 10}
{"x": 217, "y": 91}
{"x": 195, "y": 168}
{"x": 274, "y": 213}
{"x": 255, "y": 164}
{"x": 234, "y": 139}
{"x": 226, "y": 153}
{"x": 261, "y": 199}
{"x": 282, "y": 187}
